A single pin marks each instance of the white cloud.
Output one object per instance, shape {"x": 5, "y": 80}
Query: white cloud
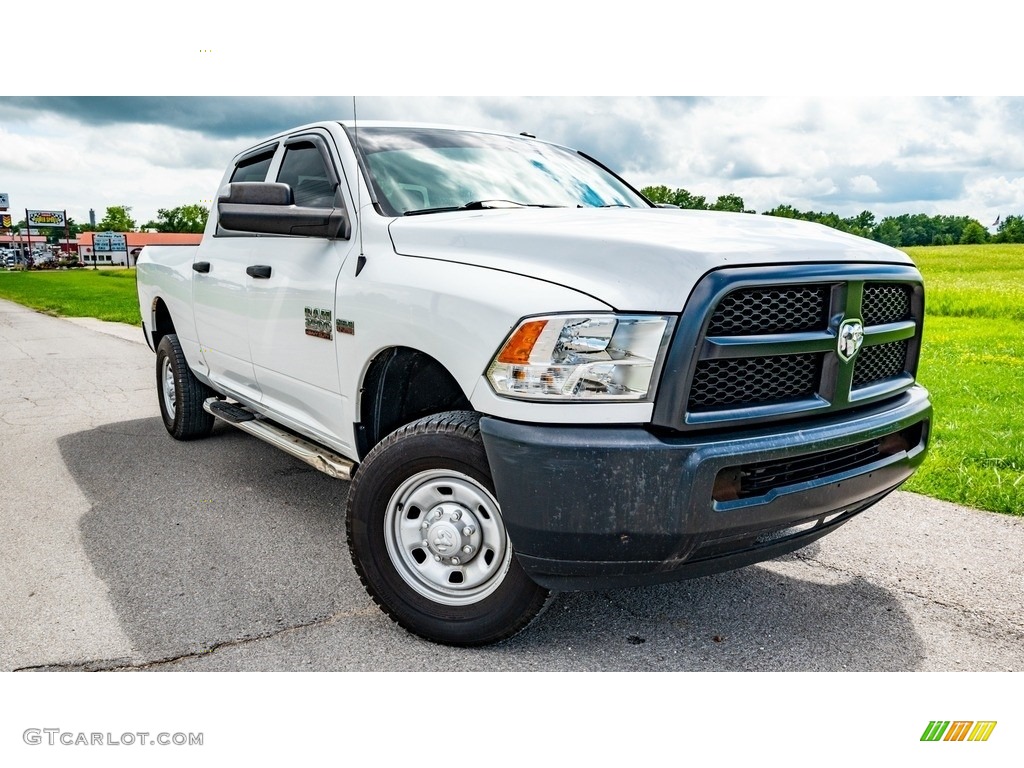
{"x": 884, "y": 154}
{"x": 864, "y": 185}
{"x": 997, "y": 194}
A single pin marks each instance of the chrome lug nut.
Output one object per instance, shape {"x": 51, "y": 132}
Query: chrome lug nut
{"x": 467, "y": 549}
{"x": 455, "y": 561}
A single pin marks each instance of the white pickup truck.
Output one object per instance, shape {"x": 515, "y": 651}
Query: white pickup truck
{"x": 535, "y": 379}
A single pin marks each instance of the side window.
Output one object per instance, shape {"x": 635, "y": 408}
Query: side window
{"x": 253, "y": 168}
{"x": 303, "y": 169}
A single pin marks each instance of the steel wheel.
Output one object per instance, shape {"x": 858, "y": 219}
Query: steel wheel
{"x": 445, "y": 537}
{"x": 427, "y": 539}
{"x": 167, "y": 389}
{"x": 179, "y": 393}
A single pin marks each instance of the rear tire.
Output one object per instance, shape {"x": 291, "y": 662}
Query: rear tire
{"x": 180, "y": 393}
{"x": 427, "y": 539}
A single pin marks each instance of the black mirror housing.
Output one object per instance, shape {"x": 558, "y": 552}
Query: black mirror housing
{"x": 269, "y": 208}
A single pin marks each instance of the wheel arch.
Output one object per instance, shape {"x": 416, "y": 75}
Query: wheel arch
{"x": 401, "y": 385}
{"x": 161, "y": 323}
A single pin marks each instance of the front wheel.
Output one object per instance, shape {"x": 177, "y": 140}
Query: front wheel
{"x": 427, "y": 538}
{"x": 180, "y": 393}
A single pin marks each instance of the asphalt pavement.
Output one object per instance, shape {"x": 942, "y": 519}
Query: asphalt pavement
{"x": 123, "y": 549}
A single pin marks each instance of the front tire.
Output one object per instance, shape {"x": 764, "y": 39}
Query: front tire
{"x": 180, "y": 393}
{"x": 427, "y": 539}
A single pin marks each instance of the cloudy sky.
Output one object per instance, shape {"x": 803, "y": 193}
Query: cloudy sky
{"x": 853, "y": 141}
{"x": 889, "y": 155}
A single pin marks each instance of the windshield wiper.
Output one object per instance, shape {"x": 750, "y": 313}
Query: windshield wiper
{"x": 479, "y": 205}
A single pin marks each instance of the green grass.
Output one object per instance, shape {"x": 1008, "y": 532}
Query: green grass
{"x": 973, "y": 280}
{"x": 108, "y": 294}
{"x": 973, "y": 364}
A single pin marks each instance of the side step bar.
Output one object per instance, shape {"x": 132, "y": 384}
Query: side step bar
{"x": 315, "y": 455}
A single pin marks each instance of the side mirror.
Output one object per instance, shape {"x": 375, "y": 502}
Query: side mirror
{"x": 267, "y": 207}
{"x": 256, "y": 193}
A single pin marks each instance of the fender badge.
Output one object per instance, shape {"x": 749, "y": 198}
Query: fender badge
{"x": 345, "y": 326}
{"x": 851, "y": 337}
{"x": 318, "y": 323}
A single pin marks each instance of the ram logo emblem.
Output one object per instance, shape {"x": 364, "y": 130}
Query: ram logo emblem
{"x": 851, "y": 337}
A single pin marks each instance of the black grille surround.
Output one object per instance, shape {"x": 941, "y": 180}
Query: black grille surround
{"x": 763, "y": 344}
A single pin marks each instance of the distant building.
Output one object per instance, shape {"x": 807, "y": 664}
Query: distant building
{"x": 136, "y": 241}
{"x": 23, "y": 242}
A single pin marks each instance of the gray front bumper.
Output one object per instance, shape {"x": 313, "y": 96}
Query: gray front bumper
{"x": 599, "y": 507}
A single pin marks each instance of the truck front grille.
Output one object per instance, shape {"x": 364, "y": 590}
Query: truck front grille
{"x": 880, "y": 363}
{"x": 885, "y": 303}
{"x": 770, "y": 310}
{"x": 761, "y": 379}
{"x": 754, "y": 347}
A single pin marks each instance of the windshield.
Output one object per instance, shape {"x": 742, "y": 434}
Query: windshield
{"x": 422, "y": 170}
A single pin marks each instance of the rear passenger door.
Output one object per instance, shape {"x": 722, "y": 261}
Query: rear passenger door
{"x": 219, "y": 295}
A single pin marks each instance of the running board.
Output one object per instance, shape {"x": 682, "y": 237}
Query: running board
{"x": 315, "y": 455}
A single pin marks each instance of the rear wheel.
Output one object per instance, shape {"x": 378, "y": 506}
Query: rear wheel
{"x": 427, "y": 538}
{"x": 180, "y": 393}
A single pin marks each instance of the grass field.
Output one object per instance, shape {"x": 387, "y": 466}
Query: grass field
{"x": 973, "y": 364}
{"x": 108, "y": 294}
{"x": 973, "y": 360}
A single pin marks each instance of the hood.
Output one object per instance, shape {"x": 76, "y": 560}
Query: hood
{"x": 643, "y": 260}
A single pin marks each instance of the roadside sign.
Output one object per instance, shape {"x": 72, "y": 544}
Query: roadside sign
{"x": 109, "y": 241}
{"x": 46, "y": 218}
{"x": 5, "y": 201}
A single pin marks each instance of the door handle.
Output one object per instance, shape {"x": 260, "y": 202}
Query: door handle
{"x": 259, "y": 271}
{"x": 201, "y": 266}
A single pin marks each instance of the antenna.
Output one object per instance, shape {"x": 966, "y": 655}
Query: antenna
{"x": 359, "y": 205}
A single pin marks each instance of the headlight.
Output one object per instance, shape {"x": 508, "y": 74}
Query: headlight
{"x": 582, "y": 357}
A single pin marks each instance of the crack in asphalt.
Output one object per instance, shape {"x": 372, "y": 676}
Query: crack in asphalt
{"x": 1012, "y": 629}
{"x": 126, "y": 665}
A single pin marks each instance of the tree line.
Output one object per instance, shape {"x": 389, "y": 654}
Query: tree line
{"x": 901, "y": 231}
{"x": 118, "y": 218}
{"x": 183, "y": 218}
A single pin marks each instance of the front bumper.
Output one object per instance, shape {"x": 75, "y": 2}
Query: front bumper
{"x": 601, "y": 507}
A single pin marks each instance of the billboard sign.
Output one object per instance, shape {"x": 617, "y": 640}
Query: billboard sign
{"x": 5, "y": 201}
{"x": 45, "y": 218}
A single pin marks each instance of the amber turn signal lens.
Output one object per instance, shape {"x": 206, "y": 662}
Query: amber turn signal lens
{"x": 518, "y": 348}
